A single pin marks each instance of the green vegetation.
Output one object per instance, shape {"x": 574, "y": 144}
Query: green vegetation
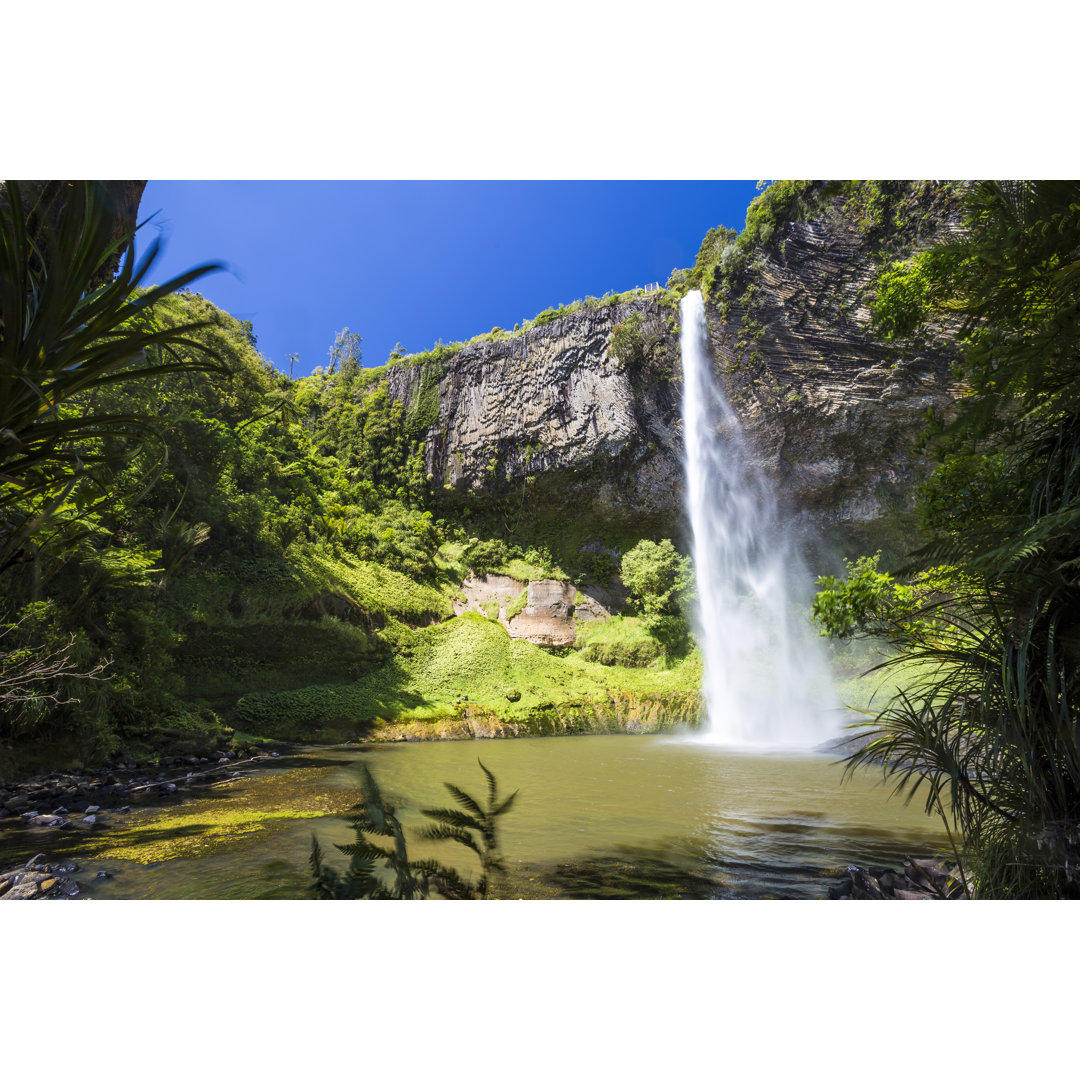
{"x": 990, "y": 613}
{"x": 376, "y": 872}
{"x": 661, "y": 583}
{"x": 621, "y": 640}
{"x": 437, "y": 672}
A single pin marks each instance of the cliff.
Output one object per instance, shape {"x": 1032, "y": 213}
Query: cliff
{"x": 557, "y": 414}
{"x": 552, "y": 409}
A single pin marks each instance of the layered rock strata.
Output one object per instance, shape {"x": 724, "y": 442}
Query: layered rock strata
{"x": 831, "y": 412}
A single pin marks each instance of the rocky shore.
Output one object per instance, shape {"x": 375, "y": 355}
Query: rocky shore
{"x": 93, "y": 799}
{"x": 921, "y": 879}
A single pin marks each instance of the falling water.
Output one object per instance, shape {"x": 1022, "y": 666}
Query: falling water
{"x": 766, "y": 681}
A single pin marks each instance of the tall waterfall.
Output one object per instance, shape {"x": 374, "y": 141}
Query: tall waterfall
{"x": 766, "y": 680}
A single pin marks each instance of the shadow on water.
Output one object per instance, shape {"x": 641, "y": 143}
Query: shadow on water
{"x": 630, "y": 873}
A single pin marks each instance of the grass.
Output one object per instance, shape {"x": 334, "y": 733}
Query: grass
{"x": 377, "y": 588}
{"x": 469, "y": 657}
{"x": 619, "y": 640}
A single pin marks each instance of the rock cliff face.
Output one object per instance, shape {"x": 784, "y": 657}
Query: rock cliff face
{"x": 553, "y": 404}
{"x": 831, "y": 413}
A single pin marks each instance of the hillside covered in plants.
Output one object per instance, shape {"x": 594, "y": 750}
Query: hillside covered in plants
{"x": 197, "y": 548}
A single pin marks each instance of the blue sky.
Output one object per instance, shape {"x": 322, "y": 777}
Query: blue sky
{"x": 419, "y": 261}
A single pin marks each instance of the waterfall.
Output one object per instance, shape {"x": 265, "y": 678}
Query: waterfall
{"x": 766, "y": 681}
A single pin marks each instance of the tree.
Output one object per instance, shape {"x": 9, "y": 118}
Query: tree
{"x": 67, "y": 330}
{"x": 345, "y": 355}
{"x": 661, "y": 583}
{"x": 38, "y": 673}
{"x": 990, "y": 622}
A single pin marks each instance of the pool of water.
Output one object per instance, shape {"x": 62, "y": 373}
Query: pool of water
{"x": 602, "y": 816}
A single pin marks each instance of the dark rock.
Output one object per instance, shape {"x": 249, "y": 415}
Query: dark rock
{"x": 864, "y": 886}
{"x": 101, "y": 875}
{"x": 890, "y": 881}
{"x": 26, "y": 890}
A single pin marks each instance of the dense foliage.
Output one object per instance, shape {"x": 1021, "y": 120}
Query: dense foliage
{"x": 196, "y": 542}
{"x": 991, "y": 615}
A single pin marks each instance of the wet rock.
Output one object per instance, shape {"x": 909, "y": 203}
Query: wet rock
{"x": 89, "y": 820}
{"x": 69, "y": 888}
{"x": 31, "y": 863}
{"x": 26, "y": 890}
{"x": 101, "y": 875}
{"x": 46, "y": 819}
{"x": 92, "y": 809}
{"x": 864, "y": 886}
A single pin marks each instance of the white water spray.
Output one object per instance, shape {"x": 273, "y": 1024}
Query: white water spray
{"x": 766, "y": 681}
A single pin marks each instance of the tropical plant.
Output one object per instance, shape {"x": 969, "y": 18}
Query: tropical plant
{"x": 376, "y": 872}
{"x": 68, "y": 328}
{"x": 990, "y": 724}
{"x": 475, "y": 826}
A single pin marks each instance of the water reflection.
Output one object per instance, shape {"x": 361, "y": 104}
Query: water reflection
{"x": 610, "y": 816}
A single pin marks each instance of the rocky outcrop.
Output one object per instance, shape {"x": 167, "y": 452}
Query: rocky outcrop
{"x": 831, "y": 413}
{"x": 551, "y": 410}
{"x": 548, "y": 613}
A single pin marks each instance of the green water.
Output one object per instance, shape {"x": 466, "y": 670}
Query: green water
{"x": 597, "y": 817}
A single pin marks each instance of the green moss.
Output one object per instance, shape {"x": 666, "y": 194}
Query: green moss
{"x": 620, "y": 640}
{"x": 199, "y": 828}
{"x": 468, "y": 658}
{"x": 517, "y": 605}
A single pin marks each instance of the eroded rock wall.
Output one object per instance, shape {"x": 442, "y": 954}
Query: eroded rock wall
{"x": 831, "y": 412}
{"x": 553, "y": 402}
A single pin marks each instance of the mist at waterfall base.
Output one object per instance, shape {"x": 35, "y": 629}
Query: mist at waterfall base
{"x": 766, "y": 683}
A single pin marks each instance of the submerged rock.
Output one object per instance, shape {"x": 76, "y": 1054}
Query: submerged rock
{"x": 922, "y": 879}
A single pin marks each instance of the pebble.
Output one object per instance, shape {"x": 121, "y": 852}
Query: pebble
{"x": 89, "y": 819}
{"x": 92, "y": 809}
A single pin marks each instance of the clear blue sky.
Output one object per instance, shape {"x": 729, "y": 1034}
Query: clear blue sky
{"x": 420, "y": 261}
